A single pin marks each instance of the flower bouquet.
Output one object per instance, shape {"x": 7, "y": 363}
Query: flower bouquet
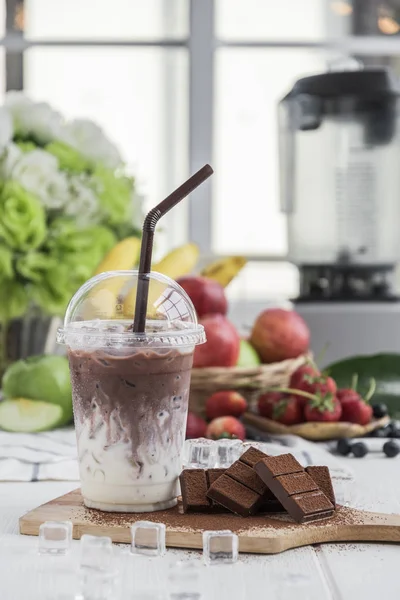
{"x": 65, "y": 200}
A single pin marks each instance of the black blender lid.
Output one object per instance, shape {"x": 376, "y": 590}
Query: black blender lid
{"x": 364, "y": 84}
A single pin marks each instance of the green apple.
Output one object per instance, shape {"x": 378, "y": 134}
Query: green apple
{"x": 28, "y": 416}
{"x": 41, "y": 378}
{"x": 248, "y": 356}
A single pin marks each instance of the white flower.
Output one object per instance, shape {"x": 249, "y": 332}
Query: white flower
{"x": 6, "y": 128}
{"x": 37, "y": 171}
{"x": 90, "y": 140}
{"x": 8, "y": 160}
{"x": 83, "y": 203}
{"x": 33, "y": 119}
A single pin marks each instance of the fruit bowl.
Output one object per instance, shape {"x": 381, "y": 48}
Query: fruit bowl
{"x": 316, "y": 432}
{"x": 249, "y": 382}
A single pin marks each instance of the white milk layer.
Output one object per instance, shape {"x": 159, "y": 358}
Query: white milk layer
{"x": 111, "y": 480}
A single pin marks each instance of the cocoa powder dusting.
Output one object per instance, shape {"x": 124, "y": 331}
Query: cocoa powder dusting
{"x": 257, "y": 525}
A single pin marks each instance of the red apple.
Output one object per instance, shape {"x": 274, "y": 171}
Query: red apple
{"x": 279, "y": 334}
{"x": 222, "y": 346}
{"x": 225, "y": 402}
{"x": 226, "y": 427}
{"x": 208, "y": 296}
{"x": 195, "y": 426}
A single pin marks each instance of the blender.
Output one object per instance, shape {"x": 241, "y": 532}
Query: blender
{"x": 339, "y": 136}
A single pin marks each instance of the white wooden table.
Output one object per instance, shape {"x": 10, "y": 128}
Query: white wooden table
{"x": 335, "y": 572}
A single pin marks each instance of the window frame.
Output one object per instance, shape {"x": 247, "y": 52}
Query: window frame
{"x": 201, "y": 44}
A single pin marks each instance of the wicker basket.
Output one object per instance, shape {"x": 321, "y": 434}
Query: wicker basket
{"x": 250, "y": 382}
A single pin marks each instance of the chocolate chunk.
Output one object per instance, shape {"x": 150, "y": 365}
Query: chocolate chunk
{"x": 252, "y": 456}
{"x": 323, "y": 480}
{"x": 212, "y": 475}
{"x": 313, "y": 503}
{"x": 194, "y": 486}
{"x": 282, "y": 464}
{"x": 247, "y": 476}
{"x": 241, "y": 472}
{"x": 235, "y": 496}
{"x": 297, "y": 483}
{"x": 310, "y": 504}
{"x": 194, "y": 490}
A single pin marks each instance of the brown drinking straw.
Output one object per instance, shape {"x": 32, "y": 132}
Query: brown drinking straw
{"x": 146, "y": 250}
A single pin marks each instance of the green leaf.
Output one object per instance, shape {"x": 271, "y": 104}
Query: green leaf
{"x": 22, "y": 218}
{"x": 6, "y": 263}
{"x": 34, "y": 266}
{"x": 384, "y": 368}
{"x": 279, "y": 409}
{"x": 69, "y": 159}
{"x": 115, "y": 193}
{"x": 13, "y": 300}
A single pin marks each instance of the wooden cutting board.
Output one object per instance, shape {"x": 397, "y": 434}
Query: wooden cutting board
{"x": 259, "y": 534}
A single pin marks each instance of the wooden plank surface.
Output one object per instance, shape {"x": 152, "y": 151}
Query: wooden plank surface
{"x": 259, "y": 534}
{"x": 334, "y": 571}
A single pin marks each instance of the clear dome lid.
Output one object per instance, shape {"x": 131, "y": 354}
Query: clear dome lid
{"x": 102, "y": 310}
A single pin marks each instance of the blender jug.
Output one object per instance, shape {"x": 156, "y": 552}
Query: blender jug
{"x": 339, "y": 136}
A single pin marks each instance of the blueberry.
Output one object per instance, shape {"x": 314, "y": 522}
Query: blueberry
{"x": 343, "y": 447}
{"x": 379, "y": 410}
{"x": 359, "y": 449}
{"x": 391, "y": 448}
{"x": 385, "y": 432}
{"x": 379, "y": 433}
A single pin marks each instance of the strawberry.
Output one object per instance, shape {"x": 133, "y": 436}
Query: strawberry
{"x": 195, "y": 426}
{"x": 323, "y": 408}
{"x": 308, "y": 379}
{"x": 287, "y": 411}
{"x": 267, "y": 401}
{"x": 356, "y": 410}
{"x": 225, "y": 427}
{"x": 347, "y": 394}
{"x": 303, "y": 376}
{"x": 225, "y": 402}
{"x": 280, "y": 407}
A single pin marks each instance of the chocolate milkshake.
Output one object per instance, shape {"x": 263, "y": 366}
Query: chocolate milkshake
{"x": 130, "y": 391}
{"x": 130, "y": 415}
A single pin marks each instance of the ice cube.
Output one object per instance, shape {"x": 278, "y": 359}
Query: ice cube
{"x": 261, "y": 446}
{"x": 55, "y": 537}
{"x": 96, "y": 585}
{"x": 227, "y": 452}
{"x": 96, "y": 553}
{"x": 343, "y": 488}
{"x": 220, "y": 547}
{"x": 200, "y": 453}
{"x": 184, "y": 580}
{"x": 148, "y": 538}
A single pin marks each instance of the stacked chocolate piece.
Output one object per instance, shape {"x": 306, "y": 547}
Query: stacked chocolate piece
{"x": 260, "y": 483}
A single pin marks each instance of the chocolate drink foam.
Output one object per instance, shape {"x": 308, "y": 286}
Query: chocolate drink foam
{"x": 130, "y": 410}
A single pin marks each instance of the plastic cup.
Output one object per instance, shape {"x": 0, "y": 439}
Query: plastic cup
{"x": 130, "y": 390}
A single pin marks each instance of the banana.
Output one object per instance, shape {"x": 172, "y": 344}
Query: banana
{"x": 178, "y": 262}
{"x": 101, "y": 302}
{"x": 224, "y": 270}
{"x": 175, "y": 264}
{"x": 124, "y": 256}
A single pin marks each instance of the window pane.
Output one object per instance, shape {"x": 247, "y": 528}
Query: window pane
{"x": 259, "y": 281}
{"x": 112, "y": 19}
{"x": 137, "y": 95}
{"x": 2, "y": 74}
{"x": 249, "y": 85}
{"x": 281, "y": 19}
